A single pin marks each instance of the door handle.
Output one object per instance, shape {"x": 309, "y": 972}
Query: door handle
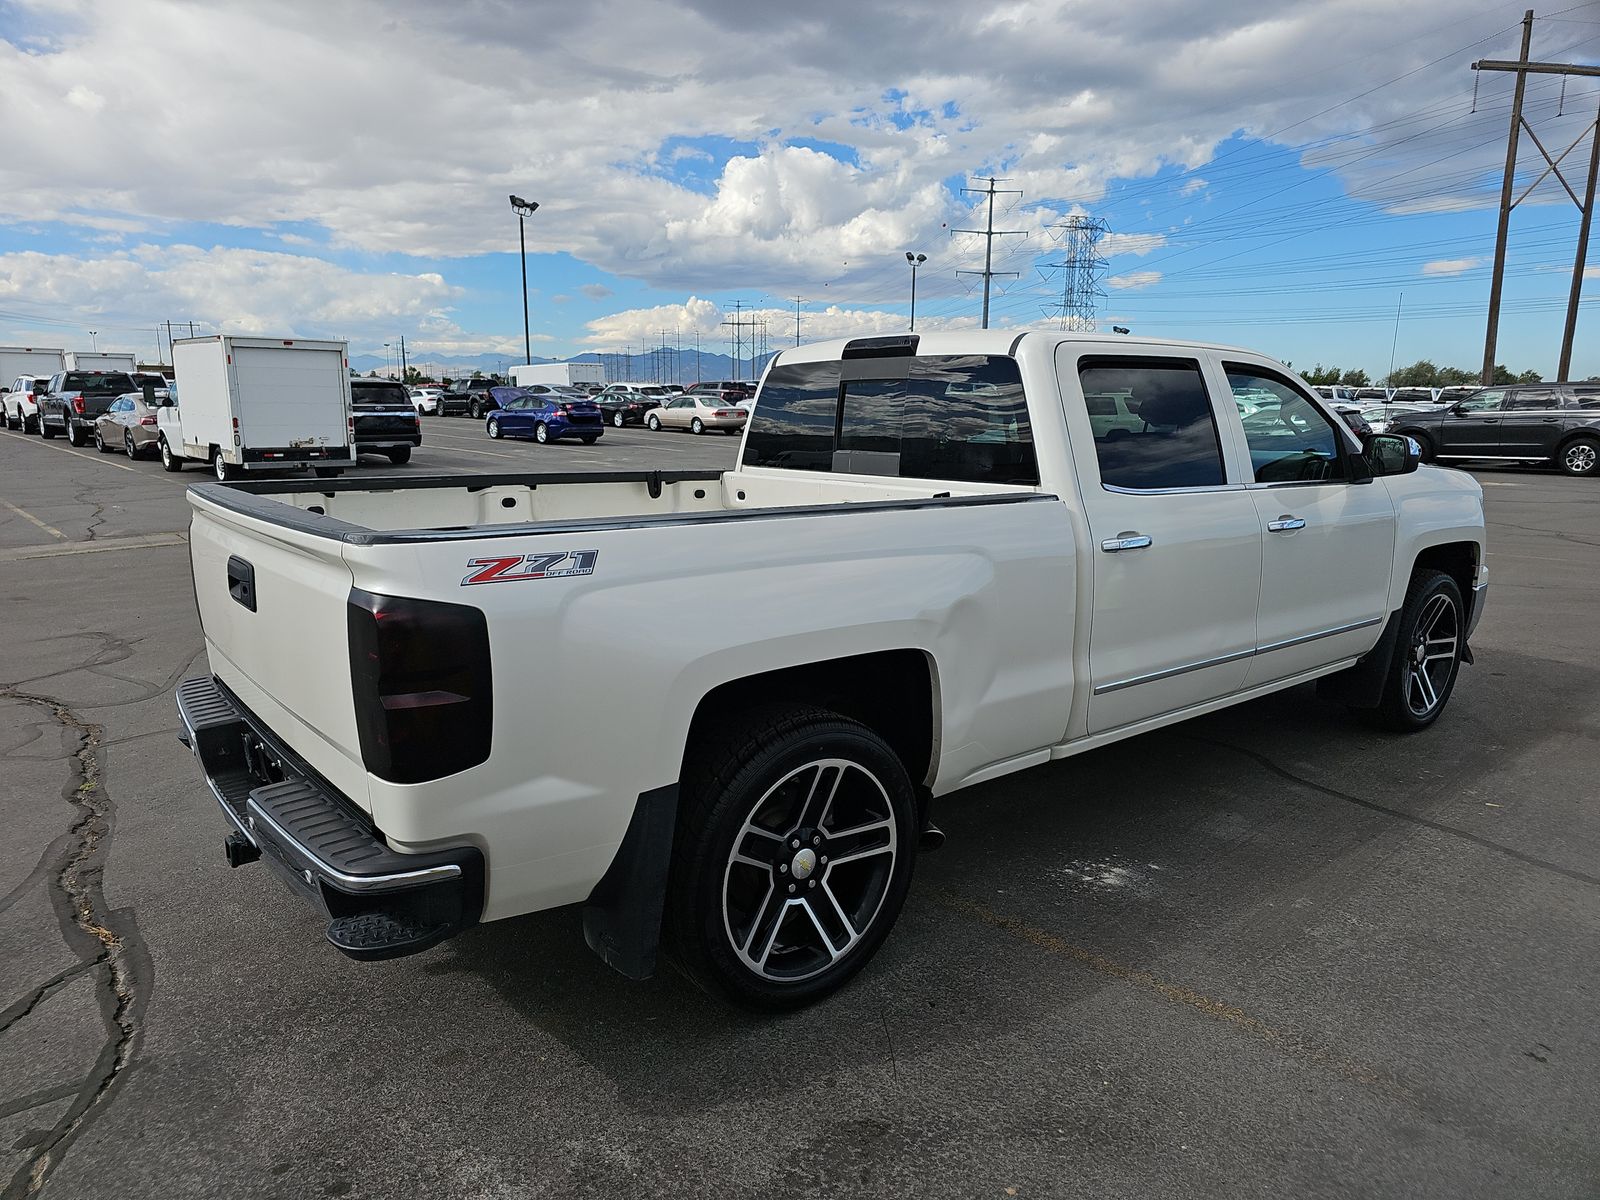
{"x": 1286, "y": 524}
{"x": 1125, "y": 541}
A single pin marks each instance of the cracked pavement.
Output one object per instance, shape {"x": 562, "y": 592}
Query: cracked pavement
{"x": 1268, "y": 952}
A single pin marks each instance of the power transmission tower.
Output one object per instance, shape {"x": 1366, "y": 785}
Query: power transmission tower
{"x": 1081, "y": 271}
{"x": 989, "y": 233}
{"x": 1522, "y": 68}
{"x": 797, "y": 301}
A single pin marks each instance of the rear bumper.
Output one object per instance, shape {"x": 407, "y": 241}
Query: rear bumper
{"x": 380, "y": 903}
{"x": 568, "y": 429}
{"x": 279, "y": 456}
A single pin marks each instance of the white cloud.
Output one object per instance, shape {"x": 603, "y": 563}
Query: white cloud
{"x": 229, "y": 290}
{"x": 594, "y": 291}
{"x": 630, "y": 329}
{"x": 1131, "y": 243}
{"x": 583, "y": 99}
{"x": 1450, "y": 266}
{"x": 1133, "y": 280}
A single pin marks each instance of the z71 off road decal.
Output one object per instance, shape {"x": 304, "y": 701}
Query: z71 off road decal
{"x": 512, "y": 568}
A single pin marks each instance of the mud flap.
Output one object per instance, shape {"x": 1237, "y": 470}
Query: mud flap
{"x": 1361, "y": 686}
{"x": 622, "y": 916}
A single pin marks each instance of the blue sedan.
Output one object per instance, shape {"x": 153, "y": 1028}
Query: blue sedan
{"x": 546, "y": 418}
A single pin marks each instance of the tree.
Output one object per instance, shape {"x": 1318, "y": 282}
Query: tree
{"x": 1502, "y": 375}
{"x": 1355, "y": 377}
{"x": 1320, "y": 374}
{"x": 1421, "y": 373}
{"x": 415, "y": 376}
{"x": 1455, "y": 376}
{"x": 1530, "y": 377}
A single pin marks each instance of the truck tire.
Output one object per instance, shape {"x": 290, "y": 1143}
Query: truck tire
{"x": 75, "y": 437}
{"x": 169, "y": 460}
{"x": 225, "y": 471}
{"x": 400, "y": 455}
{"x": 763, "y": 808}
{"x": 473, "y": 410}
{"x": 1427, "y": 655}
{"x": 1580, "y": 456}
{"x": 44, "y": 430}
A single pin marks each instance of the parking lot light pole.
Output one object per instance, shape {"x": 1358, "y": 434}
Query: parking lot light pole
{"x": 524, "y": 208}
{"x": 94, "y": 343}
{"x": 916, "y": 260}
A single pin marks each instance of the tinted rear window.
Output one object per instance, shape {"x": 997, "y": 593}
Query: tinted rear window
{"x": 962, "y": 418}
{"x": 98, "y": 381}
{"x": 379, "y": 393}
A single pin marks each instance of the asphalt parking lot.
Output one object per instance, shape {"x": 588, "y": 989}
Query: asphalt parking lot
{"x": 1268, "y": 952}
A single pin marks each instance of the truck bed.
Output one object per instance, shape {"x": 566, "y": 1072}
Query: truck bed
{"x": 453, "y": 507}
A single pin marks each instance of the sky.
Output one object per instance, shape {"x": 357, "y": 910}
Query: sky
{"x": 1287, "y": 175}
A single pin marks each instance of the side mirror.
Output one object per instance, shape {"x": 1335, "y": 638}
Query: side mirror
{"x": 1391, "y": 453}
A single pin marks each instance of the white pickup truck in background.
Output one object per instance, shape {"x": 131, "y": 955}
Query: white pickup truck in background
{"x": 934, "y": 566}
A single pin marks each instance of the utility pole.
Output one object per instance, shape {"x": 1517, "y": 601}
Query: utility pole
{"x": 797, "y": 301}
{"x": 402, "y": 358}
{"x": 1522, "y": 68}
{"x": 737, "y": 326}
{"x": 989, "y": 233}
{"x": 1564, "y": 370}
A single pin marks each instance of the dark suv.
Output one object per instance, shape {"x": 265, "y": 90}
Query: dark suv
{"x": 1528, "y": 423}
{"x": 72, "y": 400}
{"x": 386, "y": 421}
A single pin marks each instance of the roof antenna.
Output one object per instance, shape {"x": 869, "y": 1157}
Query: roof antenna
{"x": 1476, "y": 75}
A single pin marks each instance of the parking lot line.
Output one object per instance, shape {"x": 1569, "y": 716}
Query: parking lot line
{"x": 43, "y": 445}
{"x": 28, "y": 516}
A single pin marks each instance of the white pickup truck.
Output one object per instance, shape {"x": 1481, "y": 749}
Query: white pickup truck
{"x": 937, "y": 563}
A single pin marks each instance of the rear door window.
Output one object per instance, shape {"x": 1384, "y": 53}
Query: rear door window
{"x": 962, "y": 418}
{"x": 1533, "y": 399}
{"x": 1170, "y": 438}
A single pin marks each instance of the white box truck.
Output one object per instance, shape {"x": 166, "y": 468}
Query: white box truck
{"x": 27, "y": 360}
{"x": 559, "y": 374}
{"x": 94, "y": 360}
{"x": 252, "y": 403}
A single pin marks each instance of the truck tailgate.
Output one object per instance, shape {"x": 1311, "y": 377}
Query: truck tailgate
{"x": 273, "y": 603}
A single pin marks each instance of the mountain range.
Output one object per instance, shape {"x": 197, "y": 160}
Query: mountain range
{"x": 650, "y": 367}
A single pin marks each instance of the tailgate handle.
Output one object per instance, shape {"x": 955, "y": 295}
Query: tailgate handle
{"x": 242, "y": 581}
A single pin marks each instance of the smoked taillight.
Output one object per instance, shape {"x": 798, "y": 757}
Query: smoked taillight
{"x": 424, "y": 696}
